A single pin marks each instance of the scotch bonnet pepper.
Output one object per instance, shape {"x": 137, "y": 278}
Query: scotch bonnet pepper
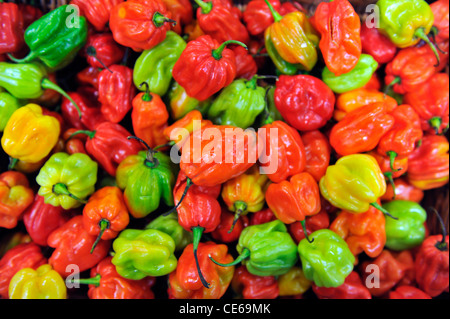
{"x": 11, "y": 34}
{"x": 96, "y": 11}
{"x": 250, "y": 286}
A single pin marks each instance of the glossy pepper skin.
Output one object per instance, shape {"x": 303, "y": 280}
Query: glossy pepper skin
{"x": 109, "y": 145}
{"x": 8, "y": 105}
{"x": 376, "y": 44}
{"x": 11, "y": 35}
{"x": 30, "y": 135}
{"x": 53, "y": 40}
{"x": 15, "y": 196}
{"x": 180, "y": 103}
{"x": 250, "y": 286}
{"x": 246, "y": 66}
{"x": 154, "y": 66}
{"x": 149, "y": 117}
{"x": 115, "y": 92}
{"x": 143, "y": 253}
{"x": 304, "y": 101}
{"x": 41, "y": 219}
{"x": 25, "y": 255}
{"x": 42, "y": 283}
{"x": 102, "y": 51}
{"x": 257, "y": 16}
{"x": 352, "y": 288}
{"x": 284, "y": 154}
{"x": 293, "y": 38}
{"x": 201, "y": 61}
{"x": 266, "y": 249}
{"x": 146, "y": 178}
{"x": 429, "y": 163}
{"x": 340, "y": 42}
{"x": 181, "y": 11}
{"x": 185, "y": 283}
{"x": 327, "y": 260}
{"x": 97, "y": 12}
{"x": 293, "y": 282}
{"x": 353, "y": 183}
{"x": 66, "y": 180}
{"x": 238, "y": 104}
{"x": 295, "y": 199}
{"x": 139, "y": 24}
{"x": 361, "y": 129}
{"x": 317, "y": 153}
{"x": 408, "y": 292}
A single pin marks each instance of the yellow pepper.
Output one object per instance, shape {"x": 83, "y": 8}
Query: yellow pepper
{"x": 42, "y": 283}
{"x": 354, "y": 183}
{"x": 30, "y": 135}
{"x": 293, "y": 282}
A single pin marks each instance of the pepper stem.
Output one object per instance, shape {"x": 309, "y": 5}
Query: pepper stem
{"x": 435, "y": 122}
{"x": 384, "y": 211}
{"x": 205, "y": 6}
{"x": 240, "y": 208}
{"x": 104, "y": 225}
{"x": 441, "y": 245}
{"x": 88, "y": 281}
{"x": 12, "y": 163}
{"x": 189, "y": 183}
{"x": 197, "y": 234}
{"x": 159, "y": 19}
{"x": 397, "y": 80}
{"x": 171, "y": 143}
{"x": 90, "y": 51}
{"x": 217, "y": 53}
{"x": 392, "y": 155}
{"x": 91, "y": 134}
{"x": 47, "y": 84}
{"x": 244, "y": 255}
{"x": 61, "y": 189}
{"x": 150, "y": 160}
{"x": 29, "y": 58}
{"x": 276, "y": 16}
{"x": 147, "y": 97}
{"x": 388, "y": 175}
{"x": 420, "y": 33}
{"x": 303, "y": 222}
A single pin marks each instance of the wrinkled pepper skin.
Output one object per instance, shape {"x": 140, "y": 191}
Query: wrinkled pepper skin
{"x": 66, "y": 253}
{"x": 352, "y": 288}
{"x": 8, "y": 105}
{"x": 295, "y": 199}
{"x": 340, "y": 42}
{"x": 254, "y": 287}
{"x": 143, "y": 253}
{"x": 358, "y": 77}
{"x": 97, "y": 12}
{"x": 145, "y": 182}
{"x": 408, "y": 292}
{"x": 293, "y": 282}
{"x": 353, "y": 183}
{"x": 42, "y": 283}
{"x": 317, "y": 153}
{"x": 54, "y": 40}
{"x": 12, "y": 22}
{"x": 15, "y": 196}
{"x": 30, "y": 135}
{"x": 185, "y": 283}
{"x": 238, "y": 104}
{"x": 408, "y": 231}
{"x": 102, "y": 51}
{"x": 155, "y": 66}
{"x": 26, "y": 255}
{"x": 246, "y": 66}
{"x": 428, "y": 165}
{"x": 304, "y": 101}
{"x": 440, "y": 11}
{"x": 327, "y": 261}
{"x": 376, "y": 44}
{"x": 66, "y": 180}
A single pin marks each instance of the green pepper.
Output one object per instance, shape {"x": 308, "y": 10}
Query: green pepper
{"x": 146, "y": 178}
{"x": 326, "y": 260}
{"x": 155, "y": 66}
{"x": 271, "y": 113}
{"x": 28, "y": 81}
{"x": 265, "y": 249}
{"x": 67, "y": 180}
{"x": 281, "y": 65}
{"x": 359, "y": 76}
{"x": 181, "y": 104}
{"x": 8, "y": 104}
{"x": 55, "y": 38}
{"x": 238, "y": 104}
{"x": 169, "y": 225}
{"x": 408, "y": 230}
{"x": 141, "y": 253}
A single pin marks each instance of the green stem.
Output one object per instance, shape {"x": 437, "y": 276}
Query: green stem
{"x": 244, "y": 255}
{"x": 397, "y": 80}
{"x": 217, "y": 53}
{"x": 159, "y": 20}
{"x": 384, "y": 211}
{"x": 12, "y": 163}
{"x": 47, "y": 84}
{"x": 150, "y": 161}
{"x": 90, "y": 134}
{"x": 188, "y": 185}
{"x": 89, "y": 281}
{"x": 147, "y": 97}
{"x": 205, "y": 6}
{"x": 29, "y": 58}
{"x": 171, "y": 143}
{"x": 197, "y": 234}
{"x": 276, "y": 16}
{"x": 90, "y": 51}
{"x": 420, "y": 33}
{"x": 435, "y": 122}
{"x": 240, "y": 208}
{"x": 390, "y": 178}
{"x": 392, "y": 156}
{"x": 104, "y": 225}
{"x": 303, "y": 222}
{"x": 441, "y": 245}
{"x": 61, "y": 189}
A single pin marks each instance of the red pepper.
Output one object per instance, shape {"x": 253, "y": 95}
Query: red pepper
{"x": 73, "y": 243}
{"x": 97, "y": 12}
{"x": 205, "y": 67}
{"x": 221, "y": 234}
{"x": 250, "y": 286}
{"x": 352, "y": 288}
{"x": 41, "y": 219}
{"x": 109, "y": 145}
{"x": 181, "y": 11}
{"x": 304, "y": 101}
{"x": 403, "y": 191}
{"x": 408, "y": 292}
{"x": 391, "y": 166}
{"x": 245, "y": 63}
{"x": 406, "y": 258}
{"x": 27, "y": 255}
{"x": 88, "y": 76}
{"x": 440, "y": 11}
{"x": 12, "y": 30}
{"x": 340, "y": 43}
{"x": 116, "y": 92}
{"x": 317, "y": 153}
{"x": 257, "y": 16}
{"x": 312, "y": 223}
{"x": 75, "y": 144}
{"x": 102, "y": 51}
{"x": 263, "y": 216}
{"x": 377, "y": 45}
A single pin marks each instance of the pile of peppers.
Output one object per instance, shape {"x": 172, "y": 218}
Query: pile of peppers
{"x": 92, "y": 103}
